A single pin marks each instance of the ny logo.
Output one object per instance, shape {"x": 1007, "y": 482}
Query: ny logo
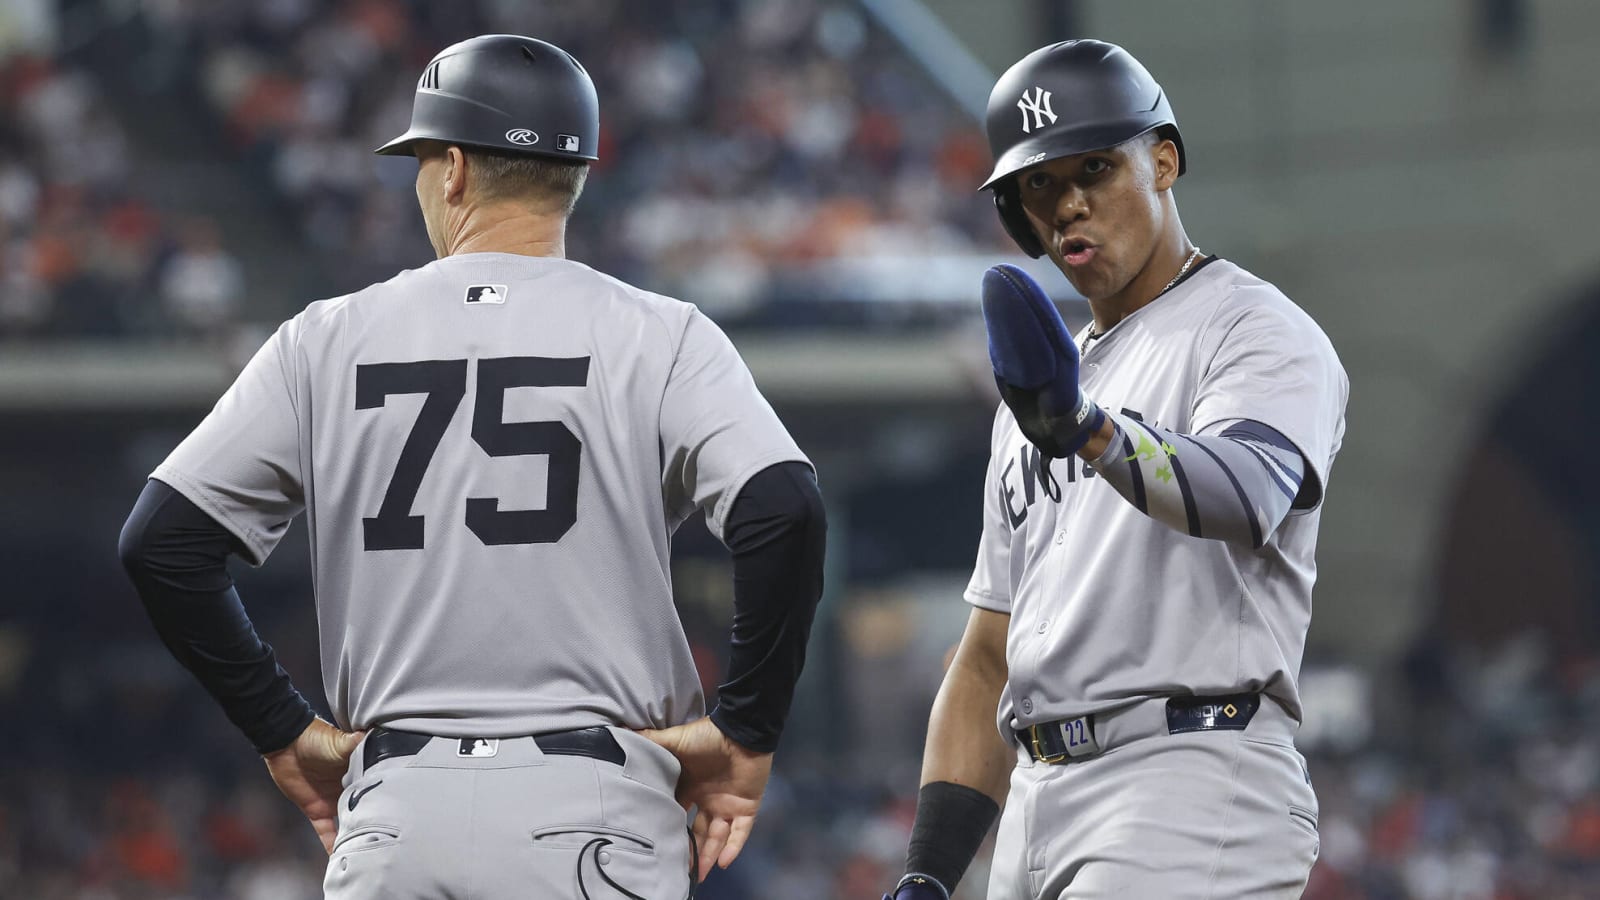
{"x": 1039, "y": 105}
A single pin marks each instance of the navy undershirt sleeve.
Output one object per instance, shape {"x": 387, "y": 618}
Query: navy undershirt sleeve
{"x": 176, "y": 556}
{"x": 777, "y": 530}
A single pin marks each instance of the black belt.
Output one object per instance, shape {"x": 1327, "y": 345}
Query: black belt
{"x": 1064, "y": 740}
{"x": 595, "y": 743}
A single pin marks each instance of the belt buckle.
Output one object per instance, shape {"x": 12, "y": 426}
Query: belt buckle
{"x": 1038, "y": 754}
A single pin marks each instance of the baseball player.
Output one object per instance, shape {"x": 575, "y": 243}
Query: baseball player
{"x": 492, "y": 452}
{"x": 1143, "y": 583}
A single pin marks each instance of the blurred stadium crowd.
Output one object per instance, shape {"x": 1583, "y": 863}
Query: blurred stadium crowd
{"x": 740, "y": 141}
{"x": 84, "y": 252}
{"x": 743, "y": 141}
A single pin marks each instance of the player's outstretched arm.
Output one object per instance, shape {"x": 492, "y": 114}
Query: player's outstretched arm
{"x": 1235, "y": 486}
{"x": 966, "y": 766}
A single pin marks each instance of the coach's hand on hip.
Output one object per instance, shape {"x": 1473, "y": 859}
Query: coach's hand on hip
{"x": 723, "y": 780}
{"x": 310, "y": 772}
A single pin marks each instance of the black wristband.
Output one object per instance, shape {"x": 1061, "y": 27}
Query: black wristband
{"x": 951, "y": 823}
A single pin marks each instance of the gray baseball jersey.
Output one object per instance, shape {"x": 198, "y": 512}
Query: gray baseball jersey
{"x": 492, "y": 452}
{"x": 1108, "y": 605}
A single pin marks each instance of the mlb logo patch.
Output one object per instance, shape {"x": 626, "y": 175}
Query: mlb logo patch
{"x": 481, "y": 747}
{"x": 486, "y": 293}
{"x": 567, "y": 142}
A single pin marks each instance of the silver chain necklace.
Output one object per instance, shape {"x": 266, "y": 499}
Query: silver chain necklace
{"x": 1193, "y": 255}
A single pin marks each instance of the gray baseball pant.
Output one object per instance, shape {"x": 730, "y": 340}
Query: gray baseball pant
{"x": 1208, "y": 815}
{"x": 440, "y": 825}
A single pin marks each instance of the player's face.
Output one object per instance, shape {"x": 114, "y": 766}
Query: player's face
{"x": 1100, "y": 214}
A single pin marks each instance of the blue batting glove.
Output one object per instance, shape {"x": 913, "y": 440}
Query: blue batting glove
{"x": 1036, "y": 363}
{"x": 918, "y": 887}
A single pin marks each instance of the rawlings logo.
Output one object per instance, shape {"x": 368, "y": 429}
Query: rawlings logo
{"x": 524, "y": 136}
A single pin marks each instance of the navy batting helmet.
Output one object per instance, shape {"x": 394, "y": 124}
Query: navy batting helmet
{"x": 1065, "y": 99}
{"x": 505, "y": 92}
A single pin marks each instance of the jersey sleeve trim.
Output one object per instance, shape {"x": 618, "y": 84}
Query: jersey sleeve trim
{"x": 1316, "y": 469}
{"x": 1229, "y": 414}
{"x": 1248, "y": 509}
{"x": 986, "y": 600}
{"x": 256, "y": 548}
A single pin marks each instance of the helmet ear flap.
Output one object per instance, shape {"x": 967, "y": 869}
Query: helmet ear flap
{"x": 1008, "y": 203}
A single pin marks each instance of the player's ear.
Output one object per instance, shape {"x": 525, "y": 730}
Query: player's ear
{"x": 1164, "y": 160}
{"x": 455, "y": 173}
